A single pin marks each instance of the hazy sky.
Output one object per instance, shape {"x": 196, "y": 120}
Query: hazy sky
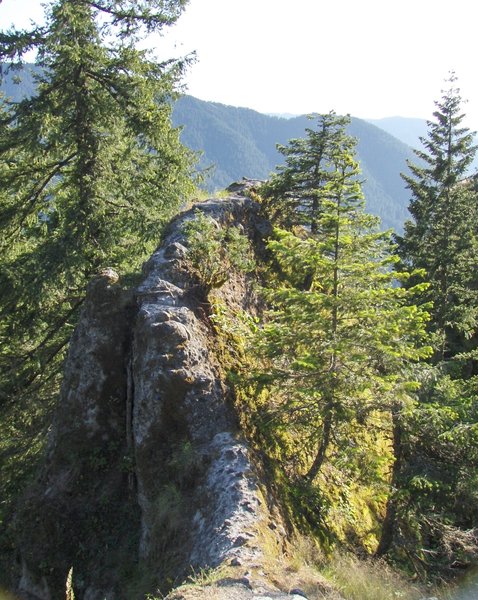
{"x": 370, "y": 58}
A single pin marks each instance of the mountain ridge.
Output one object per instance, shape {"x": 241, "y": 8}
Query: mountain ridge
{"x": 406, "y": 129}
{"x": 241, "y": 142}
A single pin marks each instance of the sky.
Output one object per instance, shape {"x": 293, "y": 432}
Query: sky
{"x": 369, "y": 58}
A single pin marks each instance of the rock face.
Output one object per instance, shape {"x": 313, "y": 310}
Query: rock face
{"x": 145, "y": 472}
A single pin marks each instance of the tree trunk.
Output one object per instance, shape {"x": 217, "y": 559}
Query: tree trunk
{"x": 322, "y": 449}
{"x": 389, "y": 523}
{"x": 328, "y": 412}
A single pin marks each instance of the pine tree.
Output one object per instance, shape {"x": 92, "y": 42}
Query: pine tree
{"x": 90, "y": 168}
{"x": 442, "y": 239}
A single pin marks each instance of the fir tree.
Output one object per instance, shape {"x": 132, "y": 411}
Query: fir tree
{"x": 441, "y": 239}
{"x": 341, "y": 349}
{"x": 434, "y": 474}
{"x": 90, "y": 167}
{"x": 294, "y": 195}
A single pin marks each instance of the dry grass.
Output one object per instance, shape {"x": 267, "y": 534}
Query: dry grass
{"x": 369, "y": 580}
{"x": 297, "y": 568}
{"x": 304, "y": 566}
{"x": 204, "y": 577}
{"x": 341, "y": 576}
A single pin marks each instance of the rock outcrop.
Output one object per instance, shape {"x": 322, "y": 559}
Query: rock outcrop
{"x": 146, "y": 474}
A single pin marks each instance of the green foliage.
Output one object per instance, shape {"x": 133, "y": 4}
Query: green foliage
{"x": 23, "y": 431}
{"x": 431, "y": 516}
{"x": 442, "y": 238}
{"x": 436, "y": 495}
{"x": 295, "y": 195}
{"x": 90, "y": 168}
{"x": 336, "y": 351}
{"x": 213, "y": 250}
{"x": 239, "y": 142}
{"x": 334, "y": 365}
{"x": 341, "y": 335}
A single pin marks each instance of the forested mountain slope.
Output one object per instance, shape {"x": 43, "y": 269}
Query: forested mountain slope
{"x": 18, "y": 85}
{"x": 409, "y": 130}
{"x": 406, "y": 129}
{"x": 239, "y": 142}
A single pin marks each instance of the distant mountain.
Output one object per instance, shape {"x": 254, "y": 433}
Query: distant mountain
{"x": 407, "y": 130}
{"x": 241, "y": 142}
{"x": 18, "y": 84}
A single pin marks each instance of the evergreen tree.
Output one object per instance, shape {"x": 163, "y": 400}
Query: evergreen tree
{"x": 341, "y": 349}
{"x": 294, "y": 195}
{"x": 90, "y": 167}
{"x": 441, "y": 239}
{"x": 430, "y": 515}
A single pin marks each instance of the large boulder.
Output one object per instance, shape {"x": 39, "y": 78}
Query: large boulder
{"x": 147, "y": 474}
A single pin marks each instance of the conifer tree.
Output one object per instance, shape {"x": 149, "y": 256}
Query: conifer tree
{"x": 341, "y": 348}
{"x": 435, "y": 470}
{"x": 294, "y": 195}
{"x": 442, "y": 238}
{"x": 90, "y": 167}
